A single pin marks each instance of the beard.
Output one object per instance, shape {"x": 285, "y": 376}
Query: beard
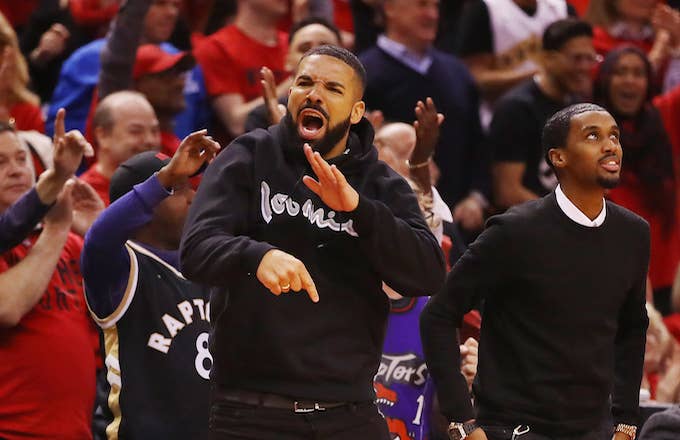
{"x": 608, "y": 182}
{"x": 325, "y": 144}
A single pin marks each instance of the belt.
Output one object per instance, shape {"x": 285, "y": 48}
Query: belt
{"x": 276, "y": 401}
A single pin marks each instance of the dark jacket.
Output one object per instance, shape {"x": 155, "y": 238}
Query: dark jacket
{"x": 252, "y": 200}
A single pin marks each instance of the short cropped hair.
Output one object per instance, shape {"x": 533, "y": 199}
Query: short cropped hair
{"x": 343, "y": 55}
{"x": 561, "y": 32}
{"x": 310, "y": 21}
{"x": 556, "y": 130}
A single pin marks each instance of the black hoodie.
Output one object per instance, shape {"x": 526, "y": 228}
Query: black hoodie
{"x": 252, "y": 200}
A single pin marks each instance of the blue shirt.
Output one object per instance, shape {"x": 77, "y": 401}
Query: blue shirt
{"x": 79, "y": 77}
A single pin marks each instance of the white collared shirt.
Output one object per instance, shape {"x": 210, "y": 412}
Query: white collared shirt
{"x": 575, "y": 214}
{"x": 419, "y": 63}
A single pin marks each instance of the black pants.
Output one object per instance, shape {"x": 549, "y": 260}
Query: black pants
{"x": 237, "y": 421}
{"x": 501, "y": 432}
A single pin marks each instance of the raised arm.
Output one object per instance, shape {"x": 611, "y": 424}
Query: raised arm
{"x": 22, "y": 285}
{"x": 105, "y": 262}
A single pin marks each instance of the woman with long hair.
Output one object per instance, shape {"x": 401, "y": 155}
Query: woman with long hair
{"x": 16, "y": 100}
{"x": 649, "y": 183}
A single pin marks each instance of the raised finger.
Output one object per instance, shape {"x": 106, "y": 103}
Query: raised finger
{"x": 327, "y": 173}
{"x": 308, "y": 285}
{"x": 59, "y": 125}
{"x": 338, "y": 176}
{"x": 312, "y": 184}
{"x": 309, "y": 154}
{"x": 60, "y": 30}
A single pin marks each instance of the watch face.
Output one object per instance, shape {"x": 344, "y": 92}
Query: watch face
{"x": 457, "y": 431}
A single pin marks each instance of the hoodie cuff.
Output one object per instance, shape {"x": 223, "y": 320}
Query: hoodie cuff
{"x": 363, "y": 215}
{"x": 253, "y": 253}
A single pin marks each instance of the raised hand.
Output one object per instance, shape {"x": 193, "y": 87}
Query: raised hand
{"x": 275, "y": 110}
{"x": 427, "y": 130}
{"x": 281, "y": 272}
{"x": 87, "y": 205}
{"x": 52, "y": 44}
{"x": 195, "y": 150}
{"x": 69, "y": 148}
{"x": 332, "y": 187}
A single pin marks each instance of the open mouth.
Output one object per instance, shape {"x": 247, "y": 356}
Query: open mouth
{"x": 310, "y": 124}
{"x": 611, "y": 165}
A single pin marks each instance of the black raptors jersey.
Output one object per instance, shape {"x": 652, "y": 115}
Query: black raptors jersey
{"x": 157, "y": 355}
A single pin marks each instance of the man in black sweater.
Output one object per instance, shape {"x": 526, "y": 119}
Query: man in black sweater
{"x": 300, "y": 366}
{"x": 563, "y": 284}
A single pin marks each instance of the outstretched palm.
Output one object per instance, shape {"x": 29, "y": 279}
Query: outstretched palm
{"x": 331, "y": 186}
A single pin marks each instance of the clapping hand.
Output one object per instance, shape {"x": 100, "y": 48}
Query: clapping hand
{"x": 427, "y": 126}
{"x": 87, "y": 205}
{"x": 275, "y": 110}
{"x": 331, "y": 186}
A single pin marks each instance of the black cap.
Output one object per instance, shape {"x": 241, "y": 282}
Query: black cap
{"x": 135, "y": 170}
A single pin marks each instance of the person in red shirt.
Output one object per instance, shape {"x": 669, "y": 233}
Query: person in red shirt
{"x": 232, "y": 58}
{"x": 48, "y": 344}
{"x": 124, "y": 124}
{"x": 649, "y": 183}
{"x": 646, "y": 24}
{"x": 16, "y": 100}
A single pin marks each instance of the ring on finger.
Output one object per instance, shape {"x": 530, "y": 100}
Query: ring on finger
{"x": 285, "y": 287}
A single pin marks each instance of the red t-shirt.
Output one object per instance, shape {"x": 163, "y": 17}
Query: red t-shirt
{"x": 231, "y": 62}
{"x": 27, "y": 117}
{"x": 342, "y": 15}
{"x": 603, "y": 42}
{"x": 48, "y": 361}
{"x": 98, "y": 181}
{"x": 664, "y": 245}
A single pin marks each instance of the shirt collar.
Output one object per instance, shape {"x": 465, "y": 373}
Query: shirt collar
{"x": 417, "y": 62}
{"x": 575, "y": 214}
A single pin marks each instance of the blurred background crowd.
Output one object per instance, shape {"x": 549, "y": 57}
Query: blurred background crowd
{"x": 496, "y": 70}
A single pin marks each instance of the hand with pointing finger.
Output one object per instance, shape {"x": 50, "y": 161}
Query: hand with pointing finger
{"x": 331, "y": 186}
{"x": 281, "y": 272}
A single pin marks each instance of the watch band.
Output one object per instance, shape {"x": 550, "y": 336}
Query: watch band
{"x": 629, "y": 430}
{"x": 459, "y": 431}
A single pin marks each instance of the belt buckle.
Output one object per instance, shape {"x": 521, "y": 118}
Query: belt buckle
{"x": 300, "y": 410}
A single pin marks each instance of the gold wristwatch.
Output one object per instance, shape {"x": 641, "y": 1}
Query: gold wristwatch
{"x": 629, "y": 430}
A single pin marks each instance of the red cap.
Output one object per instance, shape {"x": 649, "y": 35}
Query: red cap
{"x": 152, "y": 59}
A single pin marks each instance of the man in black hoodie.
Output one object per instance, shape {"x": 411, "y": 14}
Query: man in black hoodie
{"x": 288, "y": 366}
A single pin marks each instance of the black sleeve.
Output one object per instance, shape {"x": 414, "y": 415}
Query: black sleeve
{"x": 510, "y": 131}
{"x": 20, "y": 219}
{"x": 630, "y": 343}
{"x": 215, "y": 245}
{"x": 397, "y": 240}
{"x": 118, "y": 55}
{"x": 479, "y": 270}
{"x": 474, "y": 36}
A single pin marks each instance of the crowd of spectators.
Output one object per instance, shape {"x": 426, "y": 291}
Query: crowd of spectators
{"x": 140, "y": 75}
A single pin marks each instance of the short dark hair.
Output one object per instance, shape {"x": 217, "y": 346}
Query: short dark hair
{"x": 343, "y": 55}
{"x": 556, "y": 130}
{"x": 560, "y": 32}
{"x": 310, "y": 21}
